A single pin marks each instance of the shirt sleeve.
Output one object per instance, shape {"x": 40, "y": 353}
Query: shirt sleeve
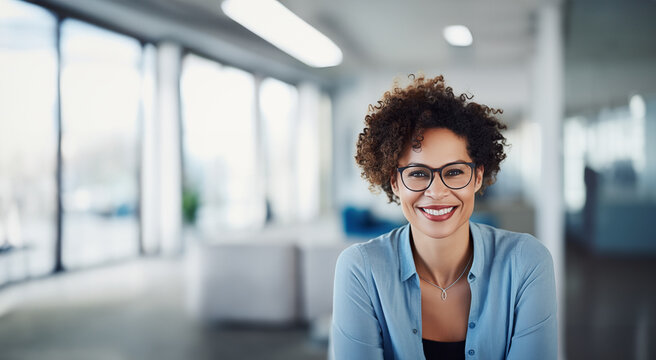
{"x": 535, "y": 331}
{"x": 356, "y": 332}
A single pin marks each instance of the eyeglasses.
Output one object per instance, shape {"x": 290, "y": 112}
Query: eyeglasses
{"x": 455, "y": 175}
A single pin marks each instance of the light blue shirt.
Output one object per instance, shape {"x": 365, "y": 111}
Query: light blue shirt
{"x": 377, "y": 299}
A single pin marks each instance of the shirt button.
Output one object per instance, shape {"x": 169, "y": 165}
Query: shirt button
{"x": 472, "y": 277}
{"x": 472, "y": 325}
{"x": 414, "y": 331}
{"x": 471, "y": 352}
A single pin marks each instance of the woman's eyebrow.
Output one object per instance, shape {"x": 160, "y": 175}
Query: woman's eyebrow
{"x": 417, "y": 164}
{"x": 443, "y": 165}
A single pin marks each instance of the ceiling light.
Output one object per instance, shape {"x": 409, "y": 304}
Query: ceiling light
{"x": 274, "y": 23}
{"x": 458, "y": 35}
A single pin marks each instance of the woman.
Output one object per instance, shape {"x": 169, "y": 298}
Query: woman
{"x": 440, "y": 287}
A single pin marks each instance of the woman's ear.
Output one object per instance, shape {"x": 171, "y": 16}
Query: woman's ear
{"x": 478, "y": 182}
{"x": 394, "y": 184}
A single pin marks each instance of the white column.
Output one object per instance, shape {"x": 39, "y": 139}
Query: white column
{"x": 307, "y": 152}
{"x": 548, "y": 111}
{"x": 648, "y": 178}
{"x": 169, "y": 151}
{"x": 261, "y": 149}
{"x": 150, "y": 171}
{"x": 326, "y": 189}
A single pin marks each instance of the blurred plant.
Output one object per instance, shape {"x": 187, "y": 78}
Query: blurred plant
{"x": 190, "y": 203}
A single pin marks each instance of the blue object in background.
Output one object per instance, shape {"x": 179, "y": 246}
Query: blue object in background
{"x": 624, "y": 228}
{"x": 125, "y": 210}
{"x": 484, "y": 218}
{"x": 362, "y": 223}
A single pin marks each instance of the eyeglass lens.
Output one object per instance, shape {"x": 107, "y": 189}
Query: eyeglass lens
{"x": 455, "y": 176}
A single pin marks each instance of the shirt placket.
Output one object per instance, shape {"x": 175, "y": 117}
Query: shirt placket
{"x": 471, "y": 343}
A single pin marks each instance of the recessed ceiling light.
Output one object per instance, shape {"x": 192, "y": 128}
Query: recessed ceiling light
{"x": 458, "y": 35}
{"x": 276, "y": 24}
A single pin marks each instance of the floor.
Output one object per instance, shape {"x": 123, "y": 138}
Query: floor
{"x": 130, "y": 311}
{"x": 610, "y": 306}
{"x": 136, "y": 311}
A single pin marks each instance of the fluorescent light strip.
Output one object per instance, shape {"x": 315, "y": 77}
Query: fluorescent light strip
{"x": 458, "y": 35}
{"x": 274, "y": 23}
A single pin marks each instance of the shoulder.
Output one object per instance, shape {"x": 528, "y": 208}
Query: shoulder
{"x": 362, "y": 257}
{"x": 520, "y": 248}
{"x": 351, "y": 258}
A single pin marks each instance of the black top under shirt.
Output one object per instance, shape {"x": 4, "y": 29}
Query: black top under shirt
{"x": 437, "y": 350}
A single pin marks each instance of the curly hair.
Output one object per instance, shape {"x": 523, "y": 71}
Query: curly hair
{"x": 401, "y": 116}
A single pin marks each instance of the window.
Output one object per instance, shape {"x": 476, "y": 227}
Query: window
{"x": 28, "y": 141}
{"x": 292, "y": 117}
{"x": 222, "y": 176}
{"x": 100, "y": 96}
{"x": 278, "y": 106}
{"x": 250, "y": 148}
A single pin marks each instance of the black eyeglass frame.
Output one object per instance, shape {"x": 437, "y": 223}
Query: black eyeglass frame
{"x": 472, "y": 165}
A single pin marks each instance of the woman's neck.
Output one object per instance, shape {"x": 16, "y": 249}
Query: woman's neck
{"x": 442, "y": 260}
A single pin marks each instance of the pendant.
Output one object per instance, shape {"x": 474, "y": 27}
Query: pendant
{"x": 443, "y": 295}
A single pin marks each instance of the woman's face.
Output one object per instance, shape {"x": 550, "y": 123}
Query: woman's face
{"x": 439, "y": 147}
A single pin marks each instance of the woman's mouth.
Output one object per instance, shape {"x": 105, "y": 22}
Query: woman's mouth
{"x": 438, "y": 214}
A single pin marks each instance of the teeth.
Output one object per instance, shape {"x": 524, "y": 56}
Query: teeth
{"x": 439, "y": 212}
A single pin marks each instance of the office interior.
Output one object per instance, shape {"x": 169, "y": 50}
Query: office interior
{"x": 174, "y": 186}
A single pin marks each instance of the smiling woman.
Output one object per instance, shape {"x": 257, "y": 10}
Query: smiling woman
{"x": 400, "y": 296}
{"x": 437, "y": 202}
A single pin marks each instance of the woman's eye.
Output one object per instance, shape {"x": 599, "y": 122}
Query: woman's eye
{"x": 418, "y": 174}
{"x": 454, "y": 172}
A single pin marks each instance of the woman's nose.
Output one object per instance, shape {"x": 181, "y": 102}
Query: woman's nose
{"x": 437, "y": 189}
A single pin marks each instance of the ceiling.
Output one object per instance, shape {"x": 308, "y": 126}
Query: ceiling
{"x": 383, "y": 34}
{"x": 610, "y": 30}
{"x": 391, "y": 34}
{"x": 398, "y": 36}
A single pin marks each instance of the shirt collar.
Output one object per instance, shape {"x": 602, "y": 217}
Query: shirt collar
{"x": 407, "y": 262}
{"x": 479, "y": 250}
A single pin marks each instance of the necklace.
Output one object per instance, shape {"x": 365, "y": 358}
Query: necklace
{"x": 448, "y": 287}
